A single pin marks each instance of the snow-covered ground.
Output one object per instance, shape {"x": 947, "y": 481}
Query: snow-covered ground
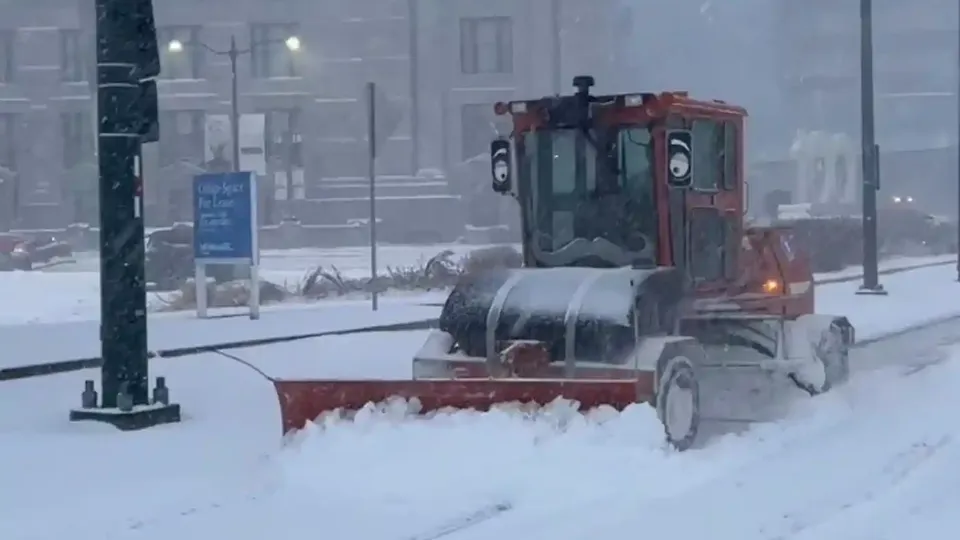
{"x": 71, "y": 291}
{"x": 57, "y": 296}
{"x": 874, "y": 460}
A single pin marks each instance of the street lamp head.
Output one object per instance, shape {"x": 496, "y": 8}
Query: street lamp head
{"x": 293, "y": 43}
{"x": 175, "y": 45}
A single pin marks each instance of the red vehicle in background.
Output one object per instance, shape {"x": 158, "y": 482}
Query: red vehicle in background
{"x": 22, "y": 252}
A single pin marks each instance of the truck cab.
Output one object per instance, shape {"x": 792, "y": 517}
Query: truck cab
{"x": 610, "y": 180}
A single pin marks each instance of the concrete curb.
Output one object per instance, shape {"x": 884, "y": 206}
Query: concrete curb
{"x": 67, "y": 366}
{"x": 887, "y": 272}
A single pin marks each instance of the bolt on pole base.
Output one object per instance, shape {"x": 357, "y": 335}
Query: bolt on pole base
{"x": 876, "y": 290}
{"x": 140, "y": 417}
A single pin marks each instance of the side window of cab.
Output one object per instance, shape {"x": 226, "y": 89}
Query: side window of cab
{"x": 708, "y": 143}
{"x": 728, "y": 155}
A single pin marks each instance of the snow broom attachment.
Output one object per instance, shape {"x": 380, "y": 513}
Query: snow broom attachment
{"x": 528, "y": 337}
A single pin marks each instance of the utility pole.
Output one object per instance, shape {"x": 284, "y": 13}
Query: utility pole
{"x": 233, "y": 53}
{"x": 957, "y": 96}
{"x": 127, "y": 63}
{"x": 870, "y": 162}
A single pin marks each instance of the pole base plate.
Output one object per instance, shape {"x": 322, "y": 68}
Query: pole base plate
{"x": 872, "y": 291}
{"x": 141, "y": 417}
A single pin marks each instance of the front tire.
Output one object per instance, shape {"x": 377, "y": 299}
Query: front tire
{"x": 678, "y": 402}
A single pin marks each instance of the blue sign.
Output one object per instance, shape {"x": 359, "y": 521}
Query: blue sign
{"x": 224, "y": 217}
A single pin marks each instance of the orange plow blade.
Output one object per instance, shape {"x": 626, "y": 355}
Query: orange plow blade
{"x": 302, "y": 401}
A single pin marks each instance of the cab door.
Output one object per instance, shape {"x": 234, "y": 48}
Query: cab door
{"x": 712, "y": 205}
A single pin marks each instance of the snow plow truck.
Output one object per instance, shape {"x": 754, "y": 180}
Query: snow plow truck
{"x": 640, "y": 276}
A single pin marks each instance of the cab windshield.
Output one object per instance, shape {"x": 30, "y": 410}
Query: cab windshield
{"x": 590, "y": 207}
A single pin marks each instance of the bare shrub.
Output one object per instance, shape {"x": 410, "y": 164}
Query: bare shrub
{"x": 438, "y": 272}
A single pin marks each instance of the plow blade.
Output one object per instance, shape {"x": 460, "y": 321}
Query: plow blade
{"x": 302, "y": 401}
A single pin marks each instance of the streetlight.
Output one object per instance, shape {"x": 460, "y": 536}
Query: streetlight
{"x": 176, "y": 46}
{"x": 957, "y": 97}
{"x": 870, "y": 155}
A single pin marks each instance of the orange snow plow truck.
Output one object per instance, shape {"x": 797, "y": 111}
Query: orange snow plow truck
{"x": 640, "y": 276}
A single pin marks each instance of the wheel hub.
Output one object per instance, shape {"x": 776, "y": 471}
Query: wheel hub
{"x": 679, "y": 411}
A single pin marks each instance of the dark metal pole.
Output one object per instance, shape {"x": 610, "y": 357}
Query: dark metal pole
{"x": 413, "y": 13}
{"x": 557, "y": 57}
{"x": 372, "y": 172}
{"x": 869, "y": 162}
{"x": 958, "y": 142}
{"x": 123, "y": 296}
{"x": 234, "y": 53}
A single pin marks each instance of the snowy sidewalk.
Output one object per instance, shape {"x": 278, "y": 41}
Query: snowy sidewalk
{"x": 915, "y": 298}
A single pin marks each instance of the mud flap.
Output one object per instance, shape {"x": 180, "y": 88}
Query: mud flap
{"x": 827, "y": 345}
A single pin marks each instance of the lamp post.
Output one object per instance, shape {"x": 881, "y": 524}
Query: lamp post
{"x": 957, "y": 96}
{"x": 233, "y": 53}
{"x": 870, "y": 154}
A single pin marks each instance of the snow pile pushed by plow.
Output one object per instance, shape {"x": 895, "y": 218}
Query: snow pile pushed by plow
{"x": 452, "y": 469}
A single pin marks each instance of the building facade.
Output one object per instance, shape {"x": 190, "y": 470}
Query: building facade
{"x": 916, "y": 70}
{"x": 439, "y": 65}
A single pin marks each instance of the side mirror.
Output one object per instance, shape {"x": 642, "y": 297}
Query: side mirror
{"x": 680, "y": 158}
{"x": 500, "y": 165}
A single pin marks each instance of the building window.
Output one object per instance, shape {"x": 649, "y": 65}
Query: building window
{"x": 478, "y": 126}
{"x": 916, "y": 117}
{"x": 283, "y": 149}
{"x": 486, "y": 45}
{"x": 184, "y": 61}
{"x": 73, "y": 61}
{"x": 8, "y": 141}
{"x": 77, "y": 133}
{"x": 283, "y": 137}
{"x": 6, "y": 56}
{"x": 181, "y": 137}
{"x": 269, "y": 55}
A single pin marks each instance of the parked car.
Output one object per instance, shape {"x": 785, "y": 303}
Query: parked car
{"x": 22, "y": 252}
{"x": 169, "y": 259}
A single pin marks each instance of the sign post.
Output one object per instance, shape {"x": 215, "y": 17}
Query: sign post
{"x": 383, "y": 117}
{"x": 225, "y": 231}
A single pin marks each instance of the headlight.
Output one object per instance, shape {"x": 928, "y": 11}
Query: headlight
{"x": 19, "y": 250}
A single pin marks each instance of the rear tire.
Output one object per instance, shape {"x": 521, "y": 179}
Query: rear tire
{"x": 678, "y": 402}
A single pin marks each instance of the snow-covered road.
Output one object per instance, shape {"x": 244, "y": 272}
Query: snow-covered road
{"x": 883, "y": 446}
